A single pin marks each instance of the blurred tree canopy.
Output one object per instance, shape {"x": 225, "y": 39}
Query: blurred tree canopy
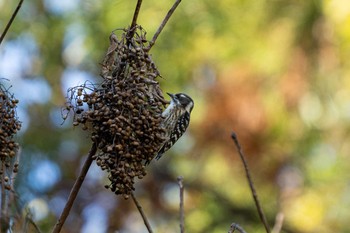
{"x": 275, "y": 72}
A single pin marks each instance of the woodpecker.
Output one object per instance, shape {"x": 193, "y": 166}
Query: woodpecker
{"x": 176, "y": 120}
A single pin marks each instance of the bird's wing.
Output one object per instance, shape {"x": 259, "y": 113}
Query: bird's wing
{"x": 178, "y": 131}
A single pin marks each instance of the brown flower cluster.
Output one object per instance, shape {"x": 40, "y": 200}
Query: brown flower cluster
{"x": 123, "y": 113}
{"x": 9, "y": 124}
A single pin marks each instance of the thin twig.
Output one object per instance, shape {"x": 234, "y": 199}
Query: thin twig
{"x": 75, "y": 189}
{"x": 134, "y": 21}
{"x": 13, "y": 174}
{"x": 278, "y": 223}
{"x": 139, "y": 207}
{"x": 136, "y": 14}
{"x": 162, "y": 25}
{"x": 235, "y": 226}
{"x": 3, "y": 216}
{"x": 28, "y": 222}
{"x": 2, "y": 203}
{"x": 251, "y": 184}
{"x": 182, "y": 212}
{"x": 10, "y": 21}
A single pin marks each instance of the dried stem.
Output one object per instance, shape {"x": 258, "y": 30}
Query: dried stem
{"x": 162, "y": 25}
{"x": 235, "y": 226}
{"x": 134, "y": 21}
{"x": 136, "y": 14}
{"x": 14, "y": 174}
{"x": 251, "y": 184}
{"x": 75, "y": 189}
{"x": 10, "y": 21}
{"x": 30, "y": 222}
{"x": 182, "y": 212}
{"x": 139, "y": 207}
{"x": 3, "y": 197}
{"x": 278, "y": 223}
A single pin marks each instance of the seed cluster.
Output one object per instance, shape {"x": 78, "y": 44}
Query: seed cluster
{"x": 9, "y": 126}
{"x": 123, "y": 112}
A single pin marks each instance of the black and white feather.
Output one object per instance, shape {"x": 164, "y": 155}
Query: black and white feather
{"x": 176, "y": 120}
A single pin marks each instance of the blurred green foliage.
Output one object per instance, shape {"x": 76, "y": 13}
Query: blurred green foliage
{"x": 275, "y": 72}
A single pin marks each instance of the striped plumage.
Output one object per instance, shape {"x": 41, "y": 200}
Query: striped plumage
{"x": 176, "y": 120}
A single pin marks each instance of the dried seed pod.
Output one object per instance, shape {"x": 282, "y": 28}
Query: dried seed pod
{"x": 124, "y": 111}
{"x": 9, "y": 125}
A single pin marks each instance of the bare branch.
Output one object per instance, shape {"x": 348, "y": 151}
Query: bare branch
{"x": 182, "y": 212}
{"x": 136, "y": 14}
{"x": 139, "y": 207}
{"x": 235, "y": 226}
{"x": 131, "y": 31}
{"x": 3, "y": 217}
{"x": 278, "y": 223}
{"x": 10, "y": 21}
{"x": 162, "y": 25}
{"x": 251, "y": 184}
{"x": 75, "y": 189}
{"x": 29, "y": 222}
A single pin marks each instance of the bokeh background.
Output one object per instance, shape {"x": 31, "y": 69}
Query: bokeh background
{"x": 275, "y": 72}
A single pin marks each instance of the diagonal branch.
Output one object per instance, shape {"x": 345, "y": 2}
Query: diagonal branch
{"x": 136, "y": 14}
{"x": 162, "y": 25}
{"x": 74, "y": 192}
{"x": 10, "y": 21}
{"x": 251, "y": 184}
{"x": 278, "y": 223}
{"x": 132, "y": 29}
{"x": 182, "y": 212}
{"x": 143, "y": 215}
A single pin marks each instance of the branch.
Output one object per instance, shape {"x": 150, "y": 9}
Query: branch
{"x": 3, "y": 217}
{"x": 235, "y": 226}
{"x": 278, "y": 223}
{"x": 10, "y": 21}
{"x": 28, "y": 220}
{"x": 250, "y": 181}
{"x": 182, "y": 212}
{"x": 131, "y": 31}
{"x": 139, "y": 207}
{"x": 162, "y": 25}
{"x": 136, "y": 13}
{"x": 75, "y": 189}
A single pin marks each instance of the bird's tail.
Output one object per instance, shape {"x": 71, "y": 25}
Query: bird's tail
{"x": 159, "y": 155}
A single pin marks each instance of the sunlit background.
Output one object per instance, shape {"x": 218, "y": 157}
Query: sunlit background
{"x": 275, "y": 72}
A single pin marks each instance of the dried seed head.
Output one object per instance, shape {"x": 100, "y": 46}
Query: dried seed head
{"x": 123, "y": 112}
{"x": 9, "y": 124}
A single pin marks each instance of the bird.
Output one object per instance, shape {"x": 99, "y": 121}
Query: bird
{"x": 176, "y": 120}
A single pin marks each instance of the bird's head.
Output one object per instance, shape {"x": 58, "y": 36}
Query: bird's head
{"x": 183, "y": 100}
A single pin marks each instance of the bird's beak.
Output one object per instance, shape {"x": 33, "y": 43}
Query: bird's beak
{"x": 172, "y": 96}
